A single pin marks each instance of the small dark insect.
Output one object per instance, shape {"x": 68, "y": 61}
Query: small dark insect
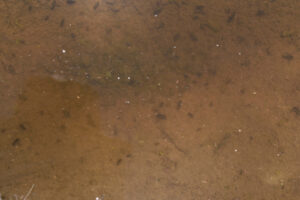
{"x": 96, "y": 5}
{"x": 22, "y": 127}
{"x": 231, "y": 17}
{"x": 241, "y": 172}
{"x": 288, "y": 56}
{"x": 157, "y": 11}
{"x": 199, "y": 9}
{"x": 190, "y": 115}
{"x": 161, "y": 116}
{"x": 73, "y": 36}
{"x": 114, "y": 10}
{"x": 179, "y": 104}
{"x": 193, "y": 37}
{"x": 260, "y": 13}
{"x": 62, "y": 23}
{"x": 296, "y": 110}
{"x": 119, "y": 162}
{"x": 16, "y": 142}
{"x": 53, "y": 5}
{"x": 71, "y": 1}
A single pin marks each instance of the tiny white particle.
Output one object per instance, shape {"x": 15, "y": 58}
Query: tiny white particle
{"x": 174, "y": 47}
{"x": 239, "y": 53}
{"x": 235, "y": 150}
{"x": 254, "y": 92}
{"x": 78, "y": 97}
{"x": 239, "y": 130}
{"x": 129, "y": 78}
{"x": 127, "y": 102}
{"x": 217, "y": 45}
{"x": 118, "y": 78}
{"x": 63, "y": 51}
{"x": 155, "y": 15}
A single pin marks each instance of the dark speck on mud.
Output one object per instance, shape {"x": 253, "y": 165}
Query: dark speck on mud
{"x": 161, "y": 116}
{"x": 71, "y": 1}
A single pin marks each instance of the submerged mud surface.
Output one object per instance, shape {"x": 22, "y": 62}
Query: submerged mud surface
{"x": 168, "y": 99}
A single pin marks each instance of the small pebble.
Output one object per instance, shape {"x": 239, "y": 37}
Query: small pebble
{"x": 235, "y": 150}
{"x": 63, "y": 51}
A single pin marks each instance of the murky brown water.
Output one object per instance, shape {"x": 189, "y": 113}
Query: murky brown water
{"x": 150, "y": 100}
